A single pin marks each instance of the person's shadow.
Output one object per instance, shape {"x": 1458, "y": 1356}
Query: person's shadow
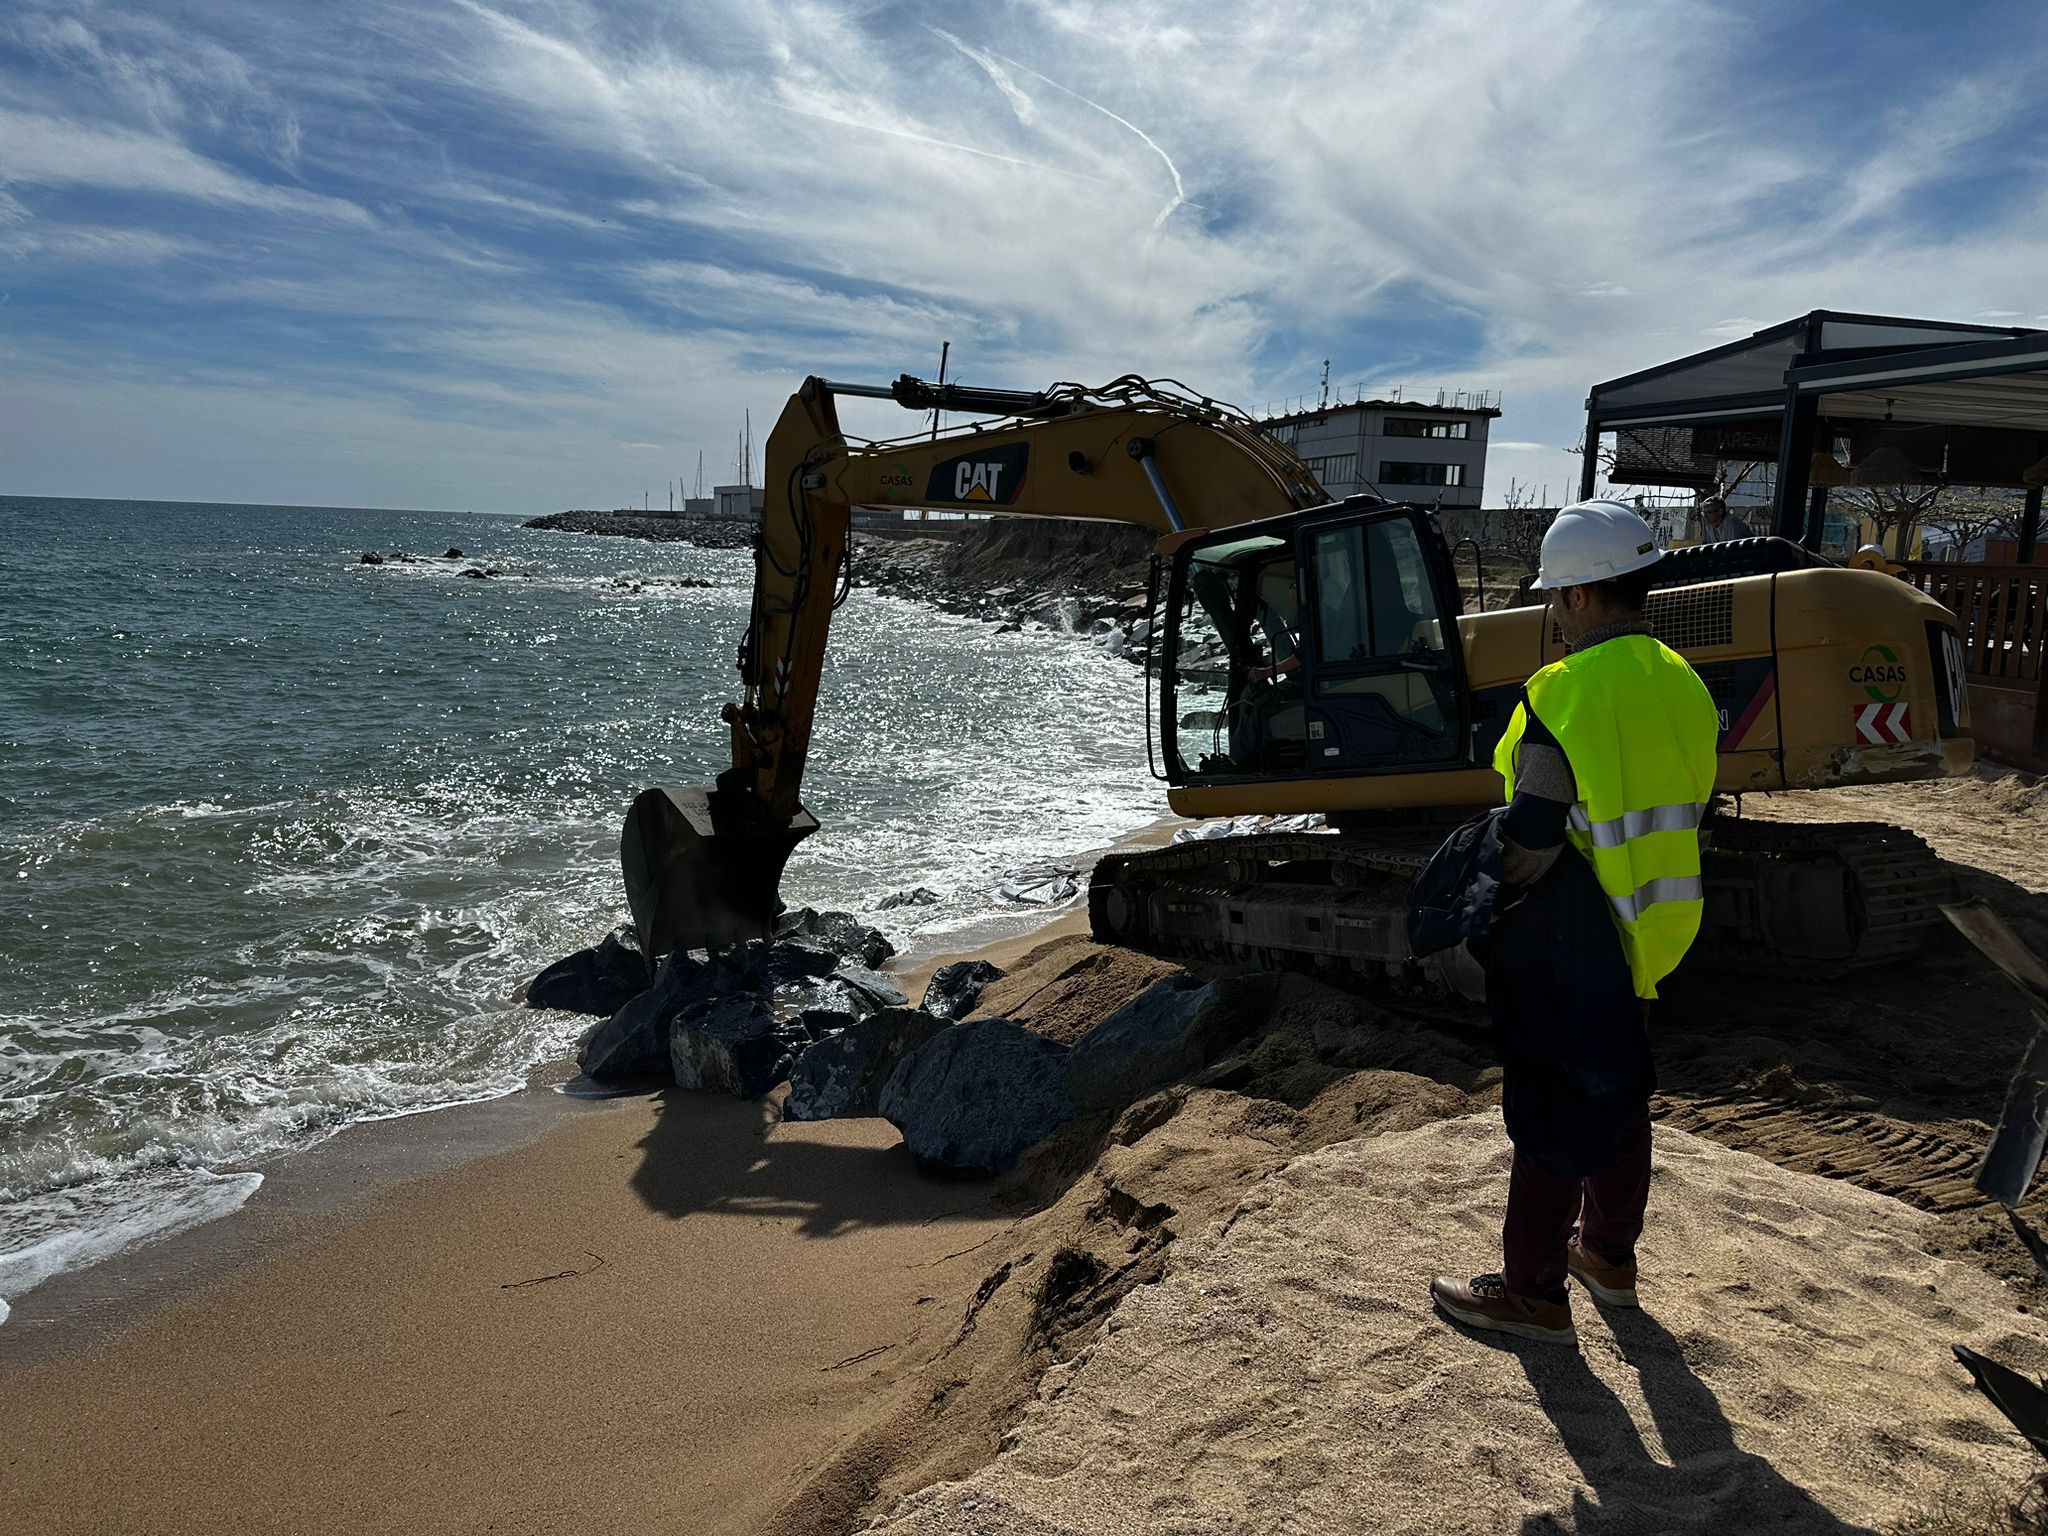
{"x": 1711, "y": 1481}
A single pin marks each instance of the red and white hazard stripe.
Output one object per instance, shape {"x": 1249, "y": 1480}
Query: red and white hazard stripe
{"x": 1883, "y": 725}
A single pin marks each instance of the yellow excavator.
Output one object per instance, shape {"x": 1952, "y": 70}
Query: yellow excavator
{"x": 1305, "y": 655}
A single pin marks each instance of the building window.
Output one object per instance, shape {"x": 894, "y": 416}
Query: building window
{"x": 1336, "y": 469}
{"x": 1415, "y": 426}
{"x": 1283, "y": 434}
{"x": 1400, "y": 472}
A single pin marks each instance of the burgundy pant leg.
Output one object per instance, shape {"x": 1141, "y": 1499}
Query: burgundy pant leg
{"x": 1542, "y": 1206}
{"x": 1616, "y": 1199}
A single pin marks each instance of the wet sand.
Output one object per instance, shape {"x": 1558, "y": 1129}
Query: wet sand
{"x": 655, "y": 1316}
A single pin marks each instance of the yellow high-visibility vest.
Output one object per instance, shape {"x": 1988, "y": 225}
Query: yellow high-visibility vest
{"x": 1640, "y": 732}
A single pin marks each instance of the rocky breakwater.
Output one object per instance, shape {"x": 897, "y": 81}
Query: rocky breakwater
{"x": 1080, "y": 578}
{"x": 704, "y": 533}
{"x": 969, "y": 1090}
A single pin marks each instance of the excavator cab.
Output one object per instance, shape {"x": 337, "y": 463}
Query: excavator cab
{"x": 1317, "y": 644}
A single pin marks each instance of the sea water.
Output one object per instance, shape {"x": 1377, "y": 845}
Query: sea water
{"x": 281, "y": 833}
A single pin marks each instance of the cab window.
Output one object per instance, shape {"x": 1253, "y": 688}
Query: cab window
{"x": 1380, "y": 667}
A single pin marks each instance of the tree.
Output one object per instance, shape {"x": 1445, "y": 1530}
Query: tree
{"x": 1895, "y": 510}
{"x": 1523, "y": 524}
{"x": 1969, "y": 513}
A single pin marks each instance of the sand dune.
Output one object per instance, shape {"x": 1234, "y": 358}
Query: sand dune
{"x": 1790, "y": 1371}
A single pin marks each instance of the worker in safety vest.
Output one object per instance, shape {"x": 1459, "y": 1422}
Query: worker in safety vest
{"x": 1612, "y": 752}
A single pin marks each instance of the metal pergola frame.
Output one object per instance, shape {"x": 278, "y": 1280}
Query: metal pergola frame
{"x": 1821, "y": 363}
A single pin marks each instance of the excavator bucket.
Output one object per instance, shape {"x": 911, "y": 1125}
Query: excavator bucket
{"x": 699, "y": 875}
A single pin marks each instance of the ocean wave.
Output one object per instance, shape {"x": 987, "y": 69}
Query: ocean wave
{"x": 69, "y": 1228}
{"x": 282, "y": 866}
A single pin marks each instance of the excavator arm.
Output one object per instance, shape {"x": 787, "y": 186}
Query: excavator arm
{"x": 704, "y": 867}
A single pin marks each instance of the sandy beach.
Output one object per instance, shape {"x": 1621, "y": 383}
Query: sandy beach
{"x": 675, "y": 1312}
{"x": 410, "y": 1331}
{"x": 656, "y": 1315}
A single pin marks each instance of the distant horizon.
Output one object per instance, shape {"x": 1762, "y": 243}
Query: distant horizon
{"x": 286, "y": 506}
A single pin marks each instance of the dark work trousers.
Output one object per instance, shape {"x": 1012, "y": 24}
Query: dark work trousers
{"x": 1574, "y": 1042}
{"x": 1543, "y": 1207}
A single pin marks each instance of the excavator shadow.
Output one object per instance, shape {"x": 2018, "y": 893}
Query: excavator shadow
{"x": 712, "y": 1155}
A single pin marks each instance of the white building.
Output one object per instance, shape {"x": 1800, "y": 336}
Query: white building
{"x": 1404, "y": 449}
{"x": 737, "y": 503}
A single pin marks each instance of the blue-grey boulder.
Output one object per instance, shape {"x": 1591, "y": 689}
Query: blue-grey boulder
{"x": 824, "y": 1005}
{"x": 596, "y": 980}
{"x": 878, "y": 990}
{"x": 841, "y": 1076}
{"x": 633, "y": 1042}
{"x": 953, "y": 989}
{"x": 1171, "y": 1029}
{"x": 789, "y": 964}
{"x": 977, "y": 1094}
{"x": 840, "y": 932}
{"x": 733, "y": 1045}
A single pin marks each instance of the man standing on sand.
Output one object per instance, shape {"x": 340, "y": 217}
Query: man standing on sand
{"x": 1611, "y": 750}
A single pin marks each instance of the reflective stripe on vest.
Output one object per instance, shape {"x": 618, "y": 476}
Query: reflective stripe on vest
{"x": 1617, "y": 830}
{"x": 1640, "y": 733}
{"x": 1665, "y": 888}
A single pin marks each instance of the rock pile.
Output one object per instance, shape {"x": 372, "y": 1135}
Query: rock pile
{"x": 734, "y": 1021}
{"x": 1079, "y": 579}
{"x": 701, "y": 532}
{"x": 970, "y": 1094}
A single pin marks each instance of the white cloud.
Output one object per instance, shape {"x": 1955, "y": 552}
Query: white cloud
{"x": 53, "y": 152}
{"x": 617, "y": 224}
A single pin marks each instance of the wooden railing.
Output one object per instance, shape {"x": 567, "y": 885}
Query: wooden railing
{"x": 2004, "y": 609}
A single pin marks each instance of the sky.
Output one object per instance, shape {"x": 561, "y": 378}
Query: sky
{"x": 532, "y": 254}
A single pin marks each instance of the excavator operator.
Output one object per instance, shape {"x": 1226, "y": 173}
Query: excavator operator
{"x": 1612, "y": 751}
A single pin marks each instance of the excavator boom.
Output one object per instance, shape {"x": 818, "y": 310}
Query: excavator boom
{"x": 703, "y": 866}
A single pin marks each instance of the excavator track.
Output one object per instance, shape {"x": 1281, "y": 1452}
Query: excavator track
{"x": 1820, "y": 899}
{"x": 1324, "y": 901}
{"x": 1813, "y": 900}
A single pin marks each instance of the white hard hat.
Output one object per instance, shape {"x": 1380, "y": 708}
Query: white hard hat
{"x": 1593, "y": 541}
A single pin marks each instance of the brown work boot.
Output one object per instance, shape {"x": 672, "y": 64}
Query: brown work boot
{"x": 1486, "y": 1302}
{"x": 1613, "y": 1285}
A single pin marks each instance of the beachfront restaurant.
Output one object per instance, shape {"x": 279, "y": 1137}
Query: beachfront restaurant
{"x": 1832, "y": 413}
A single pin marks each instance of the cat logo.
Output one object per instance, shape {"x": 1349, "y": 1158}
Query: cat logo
{"x": 976, "y": 482}
{"x": 995, "y": 476}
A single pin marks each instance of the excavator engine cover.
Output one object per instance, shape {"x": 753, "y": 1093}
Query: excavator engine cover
{"x": 701, "y": 872}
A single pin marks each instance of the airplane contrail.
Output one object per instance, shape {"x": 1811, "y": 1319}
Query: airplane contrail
{"x": 1180, "y": 195}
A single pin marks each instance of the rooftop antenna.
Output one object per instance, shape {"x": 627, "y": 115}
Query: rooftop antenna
{"x": 1324, "y": 404}
{"x": 945, "y": 350}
